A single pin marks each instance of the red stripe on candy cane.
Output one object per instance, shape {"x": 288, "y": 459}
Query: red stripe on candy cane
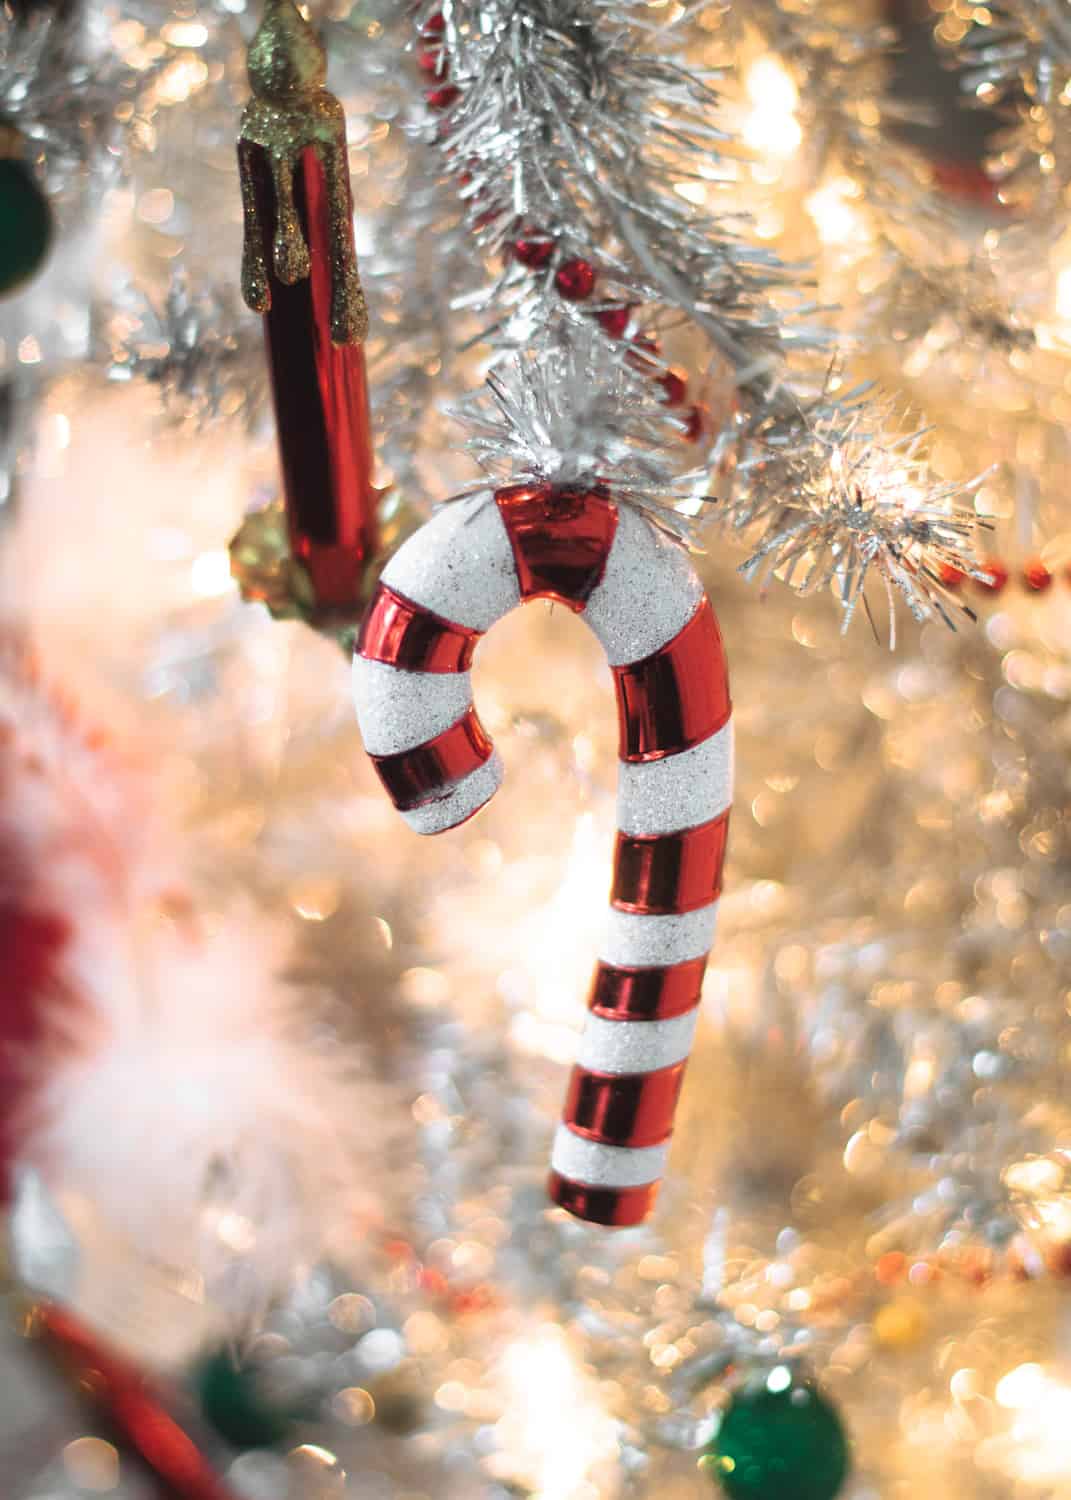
{"x": 676, "y": 697}
{"x": 404, "y": 634}
{"x": 670, "y": 872}
{"x": 619, "y": 1208}
{"x": 413, "y": 777}
{"x": 631, "y": 1109}
{"x": 620, "y": 994}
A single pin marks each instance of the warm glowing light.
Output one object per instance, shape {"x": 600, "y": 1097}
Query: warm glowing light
{"x": 1036, "y": 1448}
{"x": 834, "y": 207}
{"x": 555, "y": 945}
{"x": 771, "y": 126}
{"x": 554, "y": 1436}
{"x": 1063, "y": 295}
{"x": 210, "y": 574}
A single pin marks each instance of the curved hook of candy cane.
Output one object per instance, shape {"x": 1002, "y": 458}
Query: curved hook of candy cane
{"x": 472, "y": 563}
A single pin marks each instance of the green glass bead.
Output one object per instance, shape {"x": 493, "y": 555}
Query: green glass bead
{"x": 25, "y": 225}
{"x": 780, "y": 1439}
{"x": 231, "y": 1402}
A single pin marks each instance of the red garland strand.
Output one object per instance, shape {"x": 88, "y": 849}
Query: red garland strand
{"x": 576, "y": 279}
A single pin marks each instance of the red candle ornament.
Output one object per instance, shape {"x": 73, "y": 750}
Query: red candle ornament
{"x": 299, "y": 268}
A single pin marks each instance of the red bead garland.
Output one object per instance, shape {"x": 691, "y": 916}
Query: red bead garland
{"x": 533, "y": 249}
{"x": 675, "y": 386}
{"x": 614, "y": 321}
{"x": 442, "y": 98}
{"x": 575, "y": 279}
{"x": 1036, "y": 576}
{"x": 997, "y": 575}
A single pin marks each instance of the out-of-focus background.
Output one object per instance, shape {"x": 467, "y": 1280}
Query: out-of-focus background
{"x": 284, "y": 1075}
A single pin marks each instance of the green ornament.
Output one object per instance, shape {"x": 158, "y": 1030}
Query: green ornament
{"x": 780, "y": 1439}
{"x": 231, "y": 1401}
{"x": 25, "y": 224}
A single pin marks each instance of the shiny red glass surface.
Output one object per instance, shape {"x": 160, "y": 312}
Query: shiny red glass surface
{"x": 320, "y": 392}
{"x": 670, "y": 872}
{"x": 678, "y": 696}
{"x": 413, "y": 777}
{"x": 631, "y": 1109}
{"x": 618, "y": 1207}
{"x": 560, "y": 538}
{"x": 635, "y": 994}
{"x": 404, "y": 634}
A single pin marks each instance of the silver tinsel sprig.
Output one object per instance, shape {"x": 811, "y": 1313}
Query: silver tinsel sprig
{"x": 199, "y": 347}
{"x": 581, "y": 121}
{"x": 872, "y": 507}
{"x": 564, "y": 413}
{"x": 1017, "y": 44}
{"x": 69, "y": 89}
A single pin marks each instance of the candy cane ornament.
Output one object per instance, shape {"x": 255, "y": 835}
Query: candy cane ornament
{"x": 466, "y": 568}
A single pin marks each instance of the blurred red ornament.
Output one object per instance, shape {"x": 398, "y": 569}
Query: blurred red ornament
{"x": 675, "y": 386}
{"x": 533, "y": 249}
{"x": 435, "y": 25}
{"x": 695, "y": 424}
{"x": 891, "y": 1267}
{"x": 433, "y": 60}
{"x": 1036, "y": 576}
{"x": 442, "y": 98}
{"x": 137, "y": 1410}
{"x": 575, "y": 279}
{"x": 951, "y": 577}
{"x": 614, "y": 320}
{"x": 996, "y": 576}
{"x": 31, "y": 949}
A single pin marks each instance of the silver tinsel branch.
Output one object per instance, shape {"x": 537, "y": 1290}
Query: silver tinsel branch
{"x": 1017, "y": 58}
{"x": 872, "y": 508}
{"x": 199, "y": 347}
{"x": 578, "y": 120}
{"x": 562, "y": 413}
{"x": 580, "y": 126}
{"x": 71, "y": 90}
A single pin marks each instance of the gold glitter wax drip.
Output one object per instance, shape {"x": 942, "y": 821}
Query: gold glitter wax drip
{"x": 290, "y": 111}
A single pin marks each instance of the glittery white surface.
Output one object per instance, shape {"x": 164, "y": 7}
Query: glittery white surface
{"x": 681, "y": 791}
{"x": 648, "y": 593}
{"x": 459, "y": 565}
{"x": 459, "y": 801}
{"x": 397, "y": 709}
{"x": 582, "y": 1160}
{"x": 650, "y": 942}
{"x": 635, "y": 1046}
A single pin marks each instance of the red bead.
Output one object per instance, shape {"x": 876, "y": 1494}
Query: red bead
{"x": 433, "y": 60}
{"x": 1036, "y": 576}
{"x": 614, "y": 320}
{"x": 645, "y": 352}
{"x": 695, "y": 424}
{"x": 675, "y": 387}
{"x": 434, "y": 25}
{"x": 575, "y": 279}
{"x": 951, "y": 577}
{"x": 997, "y": 576}
{"x": 533, "y": 249}
{"x": 442, "y": 98}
